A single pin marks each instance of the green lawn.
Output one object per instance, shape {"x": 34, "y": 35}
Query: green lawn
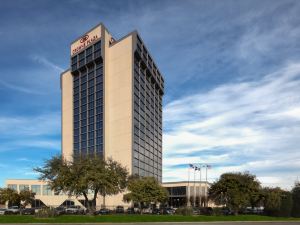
{"x": 136, "y": 218}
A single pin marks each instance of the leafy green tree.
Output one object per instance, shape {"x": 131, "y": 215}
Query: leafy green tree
{"x": 27, "y": 197}
{"x": 296, "y": 200}
{"x": 286, "y": 204}
{"x": 277, "y": 202}
{"x": 235, "y": 190}
{"x": 83, "y": 176}
{"x": 272, "y": 200}
{"x": 9, "y": 195}
{"x": 144, "y": 191}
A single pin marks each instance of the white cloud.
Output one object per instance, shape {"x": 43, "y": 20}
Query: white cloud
{"x": 19, "y": 88}
{"x": 45, "y": 124}
{"x": 255, "y": 123}
{"x": 30, "y": 132}
{"x": 45, "y": 62}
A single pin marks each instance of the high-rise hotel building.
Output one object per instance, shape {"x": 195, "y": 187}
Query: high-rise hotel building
{"x": 112, "y": 102}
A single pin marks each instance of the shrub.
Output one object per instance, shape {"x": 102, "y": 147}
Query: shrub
{"x": 185, "y": 211}
{"x": 46, "y": 213}
{"x": 217, "y": 211}
{"x": 286, "y": 204}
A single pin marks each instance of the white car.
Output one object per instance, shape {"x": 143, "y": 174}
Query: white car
{"x": 13, "y": 210}
{"x": 3, "y": 212}
{"x": 75, "y": 209}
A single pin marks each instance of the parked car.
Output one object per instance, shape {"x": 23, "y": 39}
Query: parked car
{"x": 13, "y": 210}
{"x": 132, "y": 210}
{"x": 168, "y": 211}
{"x": 147, "y": 210}
{"x": 75, "y": 209}
{"x": 60, "y": 210}
{"x": 156, "y": 211}
{"x": 227, "y": 212}
{"x": 28, "y": 211}
{"x": 120, "y": 209}
{"x": 3, "y": 212}
{"x": 37, "y": 209}
{"x": 208, "y": 211}
{"x": 103, "y": 211}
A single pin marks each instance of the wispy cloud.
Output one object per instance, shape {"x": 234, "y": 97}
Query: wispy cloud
{"x": 19, "y": 88}
{"x": 45, "y": 62}
{"x": 45, "y": 124}
{"x": 256, "y": 123}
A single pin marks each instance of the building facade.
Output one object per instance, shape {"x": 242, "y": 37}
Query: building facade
{"x": 112, "y": 102}
{"x": 186, "y": 193}
{"x": 111, "y": 108}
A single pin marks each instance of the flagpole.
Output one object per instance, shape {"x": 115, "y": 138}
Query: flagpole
{"x": 200, "y": 194}
{"x": 188, "y": 191}
{"x": 195, "y": 192}
{"x": 206, "y": 187}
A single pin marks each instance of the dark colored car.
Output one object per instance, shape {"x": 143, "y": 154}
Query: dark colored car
{"x": 60, "y": 211}
{"x": 227, "y": 212}
{"x": 168, "y": 211}
{"x": 130, "y": 210}
{"x": 120, "y": 209}
{"x": 156, "y": 211}
{"x": 103, "y": 211}
{"x": 28, "y": 211}
{"x": 208, "y": 211}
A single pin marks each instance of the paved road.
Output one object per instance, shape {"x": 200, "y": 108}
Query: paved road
{"x": 179, "y": 223}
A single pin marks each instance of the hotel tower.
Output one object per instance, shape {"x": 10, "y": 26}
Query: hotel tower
{"x": 112, "y": 102}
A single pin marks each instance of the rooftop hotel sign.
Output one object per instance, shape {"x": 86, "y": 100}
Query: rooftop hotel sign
{"x": 86, "y": 40}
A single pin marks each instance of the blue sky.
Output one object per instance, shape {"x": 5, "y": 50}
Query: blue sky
{"x": 232, "y": 72}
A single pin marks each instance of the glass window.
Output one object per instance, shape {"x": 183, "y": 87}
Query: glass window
{"x": 99, "y": 71}
{"x": 91, "y": 75}
{"x": 99, "y": 79}
{"x": 99, "y": 109}
{"x": 99, "y": 94}
{"x": 97, "y": 46}
{"x": 83, "y": 129}
{"x": 74, "y": 59}
{"x": 36, "y": 189}
{"x": 91, "y": 97}
{"x": 91, "y": 142}
{"x": 91, "y": 90}
{"x": 83, "y": 137}
{"x": 99, "y": 102}
{"x": 81, "y": 55}
{"x": 83, "y": 86}
{"x": 99, "y": 132}
{"x": 83, "y": 78}
{"x": 99, "y": 140}
{"x": 83, "y": 144}
{"x": 99, "y": 125}
{"x": 91, "y": 127}
{"x": 91, "y": 120}
{"x": 97, "y": 54}
{"x": 47, "y": 190}
{"x": 89, "y": 50}
{"x": 12, "y": 186}
{"x": 99, "y": 87}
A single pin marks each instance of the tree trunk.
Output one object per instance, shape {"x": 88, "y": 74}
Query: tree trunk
{"x": 104, "y": 205}
{"x": 95, "y": 200}
{"x": 88, "y": 202}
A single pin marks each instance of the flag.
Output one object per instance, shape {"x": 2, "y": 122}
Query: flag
{"x": 208, "y": 166}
